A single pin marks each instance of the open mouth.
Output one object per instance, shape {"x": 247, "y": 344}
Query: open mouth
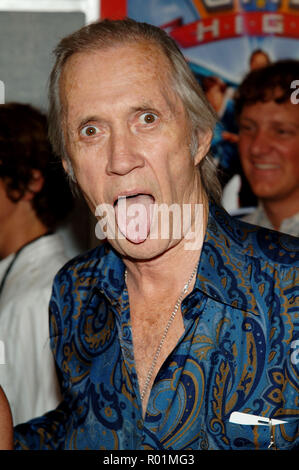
{"x": 133, "y": 215}
{"x": 266, "y": 166}
{"x": 137, "y": 198}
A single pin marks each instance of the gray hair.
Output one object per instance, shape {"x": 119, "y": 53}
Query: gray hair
{"x": 108, "y": 33}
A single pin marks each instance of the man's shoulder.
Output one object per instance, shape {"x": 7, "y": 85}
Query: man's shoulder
{"x": 86, "y": 259}
{"x": 84, "y": 264}
{"x": 269, "y": 245}
{"x": 80, "y": 285}
{"x": 244, "y": 239}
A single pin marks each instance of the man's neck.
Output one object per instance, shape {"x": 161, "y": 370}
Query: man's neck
{"x": 18, "y": 232}
{"x": 277, "y": 211}
{"x": 167, "y": 273}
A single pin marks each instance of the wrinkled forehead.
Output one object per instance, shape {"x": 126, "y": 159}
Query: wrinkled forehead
{"x": 139, "y": 61}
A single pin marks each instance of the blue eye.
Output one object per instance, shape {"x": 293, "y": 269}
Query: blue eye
{"x": 148, "y": 118}
{"x": 89, "y": 131}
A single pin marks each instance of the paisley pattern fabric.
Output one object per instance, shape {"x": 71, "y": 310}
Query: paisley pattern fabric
{"x": 238, "y": 352}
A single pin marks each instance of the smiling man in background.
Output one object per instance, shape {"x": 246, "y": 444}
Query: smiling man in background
{"x": 158, "y": 344}
{"x": 269, "y": 144}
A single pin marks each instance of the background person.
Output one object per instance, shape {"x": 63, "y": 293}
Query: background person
{"x": 224, "y": 148}
{"x": 237, "y": 195}
{"x": 6, "y": 430}
{"x": 269, "y": 144}
{"x": 34, "y": 198}
{"x": 258, "y": 59}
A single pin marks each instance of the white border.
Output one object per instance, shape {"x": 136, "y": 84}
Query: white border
{"x": 91, "y": 8}
{"x": 2, "y": 92}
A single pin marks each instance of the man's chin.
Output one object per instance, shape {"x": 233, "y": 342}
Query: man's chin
{"x": 140, "y": 250}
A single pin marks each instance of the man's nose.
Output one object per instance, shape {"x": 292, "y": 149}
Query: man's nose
{"x": 123, "y": 153}
{"x": 261, "y": 143}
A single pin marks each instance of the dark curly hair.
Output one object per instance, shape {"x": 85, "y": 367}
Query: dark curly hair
{"x": 270, "y": 83}
{"x": 24, "y": 147}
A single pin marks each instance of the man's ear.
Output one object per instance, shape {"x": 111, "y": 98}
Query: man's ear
{"x": 35, "y": 185}
{"x": 65, "y": 166}
{"x": 204, "y": 144}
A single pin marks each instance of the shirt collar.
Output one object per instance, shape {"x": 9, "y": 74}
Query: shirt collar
{"x": 225, "y": 266}
{"x": 224, "y": 269}
{"x": 289, "y": 225}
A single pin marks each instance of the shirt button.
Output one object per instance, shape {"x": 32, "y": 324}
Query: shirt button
{"x": 139, "y": 424}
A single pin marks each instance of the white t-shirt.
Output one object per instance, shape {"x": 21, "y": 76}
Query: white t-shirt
{"x": 259, "y": 217}
{"x": 27, "y": 371}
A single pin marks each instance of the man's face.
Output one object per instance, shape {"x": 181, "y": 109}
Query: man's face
{"x": 258, "y": 61}
{"x": 127, "y": 135}
{"x": 269, "y": 149}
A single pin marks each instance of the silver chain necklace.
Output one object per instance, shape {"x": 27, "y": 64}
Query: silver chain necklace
{"x": 169, "y": 323}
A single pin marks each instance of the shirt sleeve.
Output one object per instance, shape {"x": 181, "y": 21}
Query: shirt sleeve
{"x": 32, "y": 375}
{"x": 46, "y": 432}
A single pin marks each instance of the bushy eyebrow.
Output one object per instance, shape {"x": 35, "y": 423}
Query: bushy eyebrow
{"x": 149, "y": 106}
{"x": 284, "y": 122}
{"x": 135, "y": 109}
{"x": 86, "y": 120}
{"x": 275, "y": 122}
{"x": 144, "y": 106}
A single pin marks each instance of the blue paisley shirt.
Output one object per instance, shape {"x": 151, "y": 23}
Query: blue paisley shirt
{"x": 238, "y": 351}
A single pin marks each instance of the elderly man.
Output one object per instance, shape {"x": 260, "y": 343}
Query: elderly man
{"x": 268, "y": 144}
{"x": 160, "y": 337}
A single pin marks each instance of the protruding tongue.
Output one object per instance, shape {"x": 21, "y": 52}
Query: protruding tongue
{"x": 133, "y": 216}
